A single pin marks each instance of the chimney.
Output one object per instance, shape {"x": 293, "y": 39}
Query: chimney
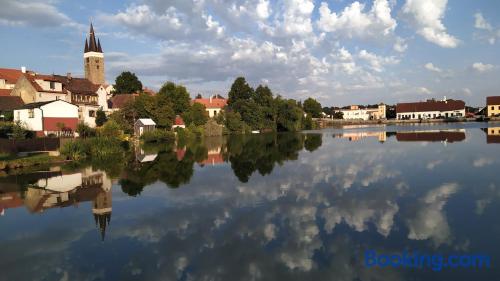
{"x": 68, "y": 75}
{"x": 210, "y": 98}
{"x": 23, "y": 69}
{"x": 444, "y": 98}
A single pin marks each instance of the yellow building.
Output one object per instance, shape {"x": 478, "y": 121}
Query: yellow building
{"x": 493, "y": 106}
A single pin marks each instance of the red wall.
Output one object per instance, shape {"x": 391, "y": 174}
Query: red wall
{"x": 50, "y": 123}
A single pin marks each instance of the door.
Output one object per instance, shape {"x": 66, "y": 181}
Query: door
{"x": 141, "y": 130}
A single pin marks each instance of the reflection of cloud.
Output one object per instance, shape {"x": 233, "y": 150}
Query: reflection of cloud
{"x": 483, "y": 161}
{"x": 428, "y": 221}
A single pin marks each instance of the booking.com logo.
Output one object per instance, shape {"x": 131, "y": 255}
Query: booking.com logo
{"x": 436, "y": 262}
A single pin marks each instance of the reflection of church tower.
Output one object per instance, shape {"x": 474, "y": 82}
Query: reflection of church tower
{"x": 102, "y": 211}
{"x": 93, "y": 59}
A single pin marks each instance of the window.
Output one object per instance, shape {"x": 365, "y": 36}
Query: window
{"x": 492, "y": 108}
{"x": 52, "y": 85}
{"x": 91, "y": 113}
{"x": 57, "y": 97}
{"x": 97, "y": 67}
{"x": 88, "y": 60}
{"x": 31, "y": 113}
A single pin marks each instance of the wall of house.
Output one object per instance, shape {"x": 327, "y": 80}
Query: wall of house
{"x": 84, "y": 114}
{"x": 46, "y": 85}
{"x": 60, "y": 109}
{"x": 25, "y": 90}
{"x": 356, "y": 114}
{"x": 32, "y": 124}
{"x": 102, "y": 99}
{"x": 213, "y": 111}
{"x": 430, "y": 114}
{"x": 493, "y": 109}
{"x": 41, "y": 97}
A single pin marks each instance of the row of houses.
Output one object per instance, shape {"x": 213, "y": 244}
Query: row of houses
{"x": 429, "y": 109}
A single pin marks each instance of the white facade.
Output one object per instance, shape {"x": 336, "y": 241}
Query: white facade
{"x": 430, "y": 114}
{"x": 32, "y": 118}
{"x": 87, "y": 114}
{"x": 356, "y": 113}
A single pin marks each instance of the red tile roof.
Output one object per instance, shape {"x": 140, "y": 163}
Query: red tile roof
{"x": 119, "y": 101}
{"x": 178, "y": 120}
{"x": 10, "y": 75}
{"x": 493, "y": 100}
{"x": 9, "y": 103}
{"x": 5, "y": 92}
{"x": 214, "y": 103}
{"x": 430, "y": 105}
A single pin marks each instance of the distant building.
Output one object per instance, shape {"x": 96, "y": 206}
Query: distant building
{"x": 51, "y": 117}
{"x": 118, "y": 102}
{"x": 93, "y": 59}
{"x": 143, "y": 125}
{"x": 9, "y": 103}
{"x": 213, "y": 105}
{"x": 493, "y": 106}
{"x": 8, "y": 79}
{"x": 430, "y": 109}
{"x": 355, "y": 112}
{"x": 178, "y": 123}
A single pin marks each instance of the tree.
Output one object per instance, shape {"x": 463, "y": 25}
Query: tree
{"x": 100, "y": 118}
{"x": 240, "y": 90}
{"x": 177, "y": 95}
{"x": 196, "y": 115}
{"x": 127, "y": 83}
{"x": 289, "y": 115}
{"x": 313, "y": 107}
{"x": 338, "y": 115}
{"x": 198, "y": 96}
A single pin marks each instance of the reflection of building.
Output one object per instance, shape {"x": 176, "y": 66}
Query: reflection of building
{"x": 54, "y": 189}
{"x": 214, "y": 157}
{"x": 355, "y": 136}
{"x": 430, "y": 109}
{"x": 432, "y": 136}
{"x": 357, "y": 113}
{"x": 492, "y": 135}
{"x": 493, "y": 106}
{"x": 144, "y": 157}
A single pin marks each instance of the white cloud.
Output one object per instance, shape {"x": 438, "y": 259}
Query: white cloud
{"x": 34, "y": 13}
{"x": 431, "y": 67}
{"x": 263, "y": 9}
{"x": 482, "y": 67}
{"x": 377, "y": 63}
{"x": 424, "y": 90}
{"x": 400, "y": 45}
{"x": 353, "y": 21}
{"x": 481, "y": 23}
{"x": 427, "y": 16}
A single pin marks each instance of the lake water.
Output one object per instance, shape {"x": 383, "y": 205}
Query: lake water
{"x": 262, "y": 207}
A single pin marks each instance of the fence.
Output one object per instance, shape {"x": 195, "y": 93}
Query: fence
{"x": 28, "y": 145}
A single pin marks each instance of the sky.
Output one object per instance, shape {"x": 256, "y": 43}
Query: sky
{"x": 339, "y": 52}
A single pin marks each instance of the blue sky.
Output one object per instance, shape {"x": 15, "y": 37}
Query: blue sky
{"x": 340, "y": 52}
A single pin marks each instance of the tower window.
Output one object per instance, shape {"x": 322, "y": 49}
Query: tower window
{"x": 88, "y": 60}
{"x": 97, "y": 67}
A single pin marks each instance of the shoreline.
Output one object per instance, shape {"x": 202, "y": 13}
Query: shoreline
{"x": 338, "y": 123}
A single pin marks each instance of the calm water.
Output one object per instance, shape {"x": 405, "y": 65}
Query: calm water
{"x": 286, "y": 207}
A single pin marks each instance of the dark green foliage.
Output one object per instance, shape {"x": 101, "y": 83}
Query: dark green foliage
{"x": 308, "y": 123}
{"x": 312, "y": 107}
{"x": 289, "y": 115}
{"x": 338, "y": 115}
{"x": 177, "y": 96}
{"x": 158, "y": 135}
{"x": 196, "y": 114}
{"x": 313, "y": 142}
{"x": 240, "y": 91}
{"x": 127, "y": 83}
{"x": 100, "y": 118}
{"x": 84, "y": 131}
{"x": 234, "y": 123}
{"x": 211, "y": 129}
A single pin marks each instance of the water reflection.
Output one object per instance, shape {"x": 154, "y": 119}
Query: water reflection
{"x": 492, "y": 134}
{"x": 275, "y": 207}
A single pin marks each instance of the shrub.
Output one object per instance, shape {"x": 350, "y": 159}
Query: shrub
{"x": 75, "y": 150}
{"x": 85, "y": 131}
{"x": 111, "y": 129}
{"x": 158, "y": 135}
{"x": 211, "y": 128}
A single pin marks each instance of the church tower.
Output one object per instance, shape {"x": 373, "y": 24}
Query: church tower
{"x": 93, "y": 59}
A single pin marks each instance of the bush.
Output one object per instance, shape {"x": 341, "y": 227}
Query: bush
{"x": 158, "y": 135}
{"x": 213, "y": 129}
{"x": 75, "y": 150}
{"x": 111, "y": 129}
{"x": 85, "y": 131}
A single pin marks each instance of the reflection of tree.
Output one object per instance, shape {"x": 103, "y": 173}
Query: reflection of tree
{"x": 248, "y": 154}
{"x": 313, "y": 142}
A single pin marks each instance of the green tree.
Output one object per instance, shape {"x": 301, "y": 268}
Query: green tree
{"x": 177, "y": 95}
{"x": 289, "y": 115}
{"x": 313, "y": 107}
{"x": 127, "y": 83}
{"x": 100, "y": 118}
{"x": 196, "y": 114}
{"x": 240, "y": 90}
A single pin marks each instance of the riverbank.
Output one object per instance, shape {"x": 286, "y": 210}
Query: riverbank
{"x": 12, "y": 162}
{"x": 325, "y": 123}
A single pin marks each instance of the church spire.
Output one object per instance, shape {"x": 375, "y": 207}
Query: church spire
{"x": 93, "y": 45}
{"x": 86, "y": 46}
{"x": 99, "y": 49}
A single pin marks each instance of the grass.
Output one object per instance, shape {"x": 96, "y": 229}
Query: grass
{"x": 9, "y": 162}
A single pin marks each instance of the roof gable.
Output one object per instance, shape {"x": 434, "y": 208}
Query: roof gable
{"x": 146, "y": 121}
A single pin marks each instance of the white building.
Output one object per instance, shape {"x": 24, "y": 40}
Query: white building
{"x": 357, "y": 113}
{"x": 430, "y": 109}
{"x": 52, "y": 117}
